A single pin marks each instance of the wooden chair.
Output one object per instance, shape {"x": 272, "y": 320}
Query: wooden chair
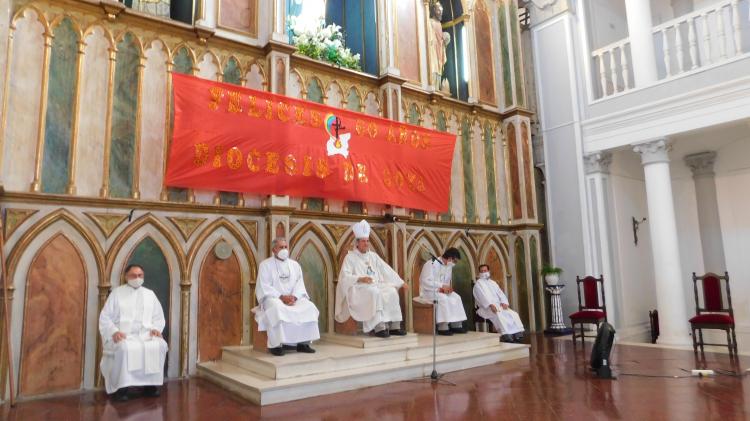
{"x": 713, "y": 314}
{"x": 593, "y": 310}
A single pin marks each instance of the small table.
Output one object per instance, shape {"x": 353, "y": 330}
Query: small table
{"x": 558, "y": 324}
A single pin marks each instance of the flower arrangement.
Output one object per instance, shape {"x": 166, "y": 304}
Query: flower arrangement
{"x": 322, "y": 42}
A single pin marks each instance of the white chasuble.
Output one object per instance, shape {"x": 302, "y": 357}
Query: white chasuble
{"x": 373, "y": 303}
{"x": 434, "y": 276}
{"x": 486, "y": 293}
{"x": 137, "y": 360}
{"x": 284, "y": 324}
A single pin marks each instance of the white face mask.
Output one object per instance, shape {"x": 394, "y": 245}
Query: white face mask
{"x": 135, "y": 282}
{"x": 283, "y": 254}
{"x": 484, "y": 275}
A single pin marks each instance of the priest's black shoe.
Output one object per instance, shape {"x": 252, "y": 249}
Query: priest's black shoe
{"x": 278, "y": 351}
{"x": 397, "y": 332}
{"x": 305, "y": 348}
{"x": 121, "y": 395}
{"x": 518, "y": 337}
{"x": 458, "y": 329}
{"x": 382, "y": 333}
{"x": 446, "y": 332}
{"x": 507, "y": 338}
{"x": 151, "y": 391}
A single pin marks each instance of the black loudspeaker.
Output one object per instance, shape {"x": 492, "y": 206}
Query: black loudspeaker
{"x": 600, "y": 353}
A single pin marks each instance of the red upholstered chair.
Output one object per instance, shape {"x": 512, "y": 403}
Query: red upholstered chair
{"x": 713, "y": 314}
{"x": 593, "y": 310}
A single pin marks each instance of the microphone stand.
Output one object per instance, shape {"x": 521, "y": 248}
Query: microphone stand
{"x": 434, "y": 376}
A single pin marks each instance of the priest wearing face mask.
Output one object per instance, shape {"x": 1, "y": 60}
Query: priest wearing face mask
{"x": 367, "y": 289}
{"x": 493, "y": 306}
{"x": 134, "y": 351}
{"x": 284, "y": 310}
{"x": 435, "y": 282}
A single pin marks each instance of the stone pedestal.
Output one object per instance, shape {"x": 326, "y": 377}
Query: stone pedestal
{"x": 557, "y": 326}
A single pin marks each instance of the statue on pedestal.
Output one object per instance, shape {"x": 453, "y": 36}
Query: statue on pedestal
{"x": 437, "y": 41}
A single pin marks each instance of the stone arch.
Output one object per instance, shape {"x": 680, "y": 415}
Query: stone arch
{"x": 494, "y": 253}
{"x": 147, "y": 220}
{"x": 415, "y": 258}
{"x": 201, "y": 251}
{"x": 176, "y": 49}
{"x": 33, "y": 261}
{"x": 318, "y": 270}
{"x": 121, "y": 251}
{"x": 326, "y": 241}
{"x": 105, "y": 32}
{"x": 59, "y": 18}
{"x": 21, "y": 13}
{"x": 136, "y": 40}
{"x": 329, "y": 94}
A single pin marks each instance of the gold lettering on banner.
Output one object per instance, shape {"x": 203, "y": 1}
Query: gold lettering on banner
{"x": 272, "y": 162}
{"x": 402, "y": 135}
{"x": 348, "y": 171}
{"x": 307, "y": 166}
{"x": 290, "y": 165}
{"x": 216, "y": 95}
{"x": 201, "y": 154}
{"x": 414, "y": 139}
{"x": 217, "y": 156}
{"x": 282, "y": 110}
{"x": 387, "y": 178}
{"x": 269, "y": 110}
{"x": 234, "y": 105}
{"x": 372, "y": 130}
{"x": 234, "y": 158}
{"x": 299, "y": 116}
{"x": 315, "y": 118}
{"x": 362, "y": 173}
{"x": 322, "y": 171}
{"x": 253, "y": 109}
{"x": 359, "y": 127}
{"x": 391, "y": 136}
{"x": 252, "y": 158}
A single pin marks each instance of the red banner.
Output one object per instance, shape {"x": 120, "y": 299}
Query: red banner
{"x": 231, "y": 138}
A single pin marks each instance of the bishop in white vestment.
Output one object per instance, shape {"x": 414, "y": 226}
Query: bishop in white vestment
{"x": 284, "y": 310}
{"x": 493, "y": 306}
{"x": 435, "y": 283}
{"x": 131, "y": 323}
{"x": 367, "y": 289}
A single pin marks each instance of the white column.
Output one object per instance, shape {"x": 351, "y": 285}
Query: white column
{"x": 670, "y": 284}
{"x": 641, "y": 41}
{"x": 600, "y": 235}
{"x": 702, "y": 165}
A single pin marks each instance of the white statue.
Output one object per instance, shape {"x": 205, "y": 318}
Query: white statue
{"x": 437, "y": 43}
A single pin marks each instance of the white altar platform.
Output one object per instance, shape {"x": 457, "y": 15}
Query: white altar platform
{"x": 345, "y": 362}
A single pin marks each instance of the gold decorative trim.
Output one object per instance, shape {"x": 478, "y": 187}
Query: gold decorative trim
{"x": 337, "y": 231}
{"x": 324, "y": 239}
{"x": 292, "y": 225}
{"x": 30, "y": 234}
{"x": 477, "y": 238}
{"x": 147, "y": 219}
{"x": 186, "y": 226}
{"x": 443, "y": 236}
{"x": 14, "y": 218}
{"x": 252, "y": 229}
{"x": 106, "y": 222}
{"x": 206, "y": 232}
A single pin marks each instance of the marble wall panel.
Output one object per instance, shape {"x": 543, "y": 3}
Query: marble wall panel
{"x": 219, "y": 306}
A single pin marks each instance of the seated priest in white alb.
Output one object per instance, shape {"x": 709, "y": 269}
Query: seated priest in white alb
{"x": 435, "y": 283}
{"x": 493, "y": 306}
{"x": 131, "y": 323}
{"x": 367, "y": 289}
{"x": 284, "y": 310}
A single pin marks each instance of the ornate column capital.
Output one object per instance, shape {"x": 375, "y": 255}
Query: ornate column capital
{"x": 654, "y": 151}
{"x": 597, "y": 162}
{"x": 701, "y": 164}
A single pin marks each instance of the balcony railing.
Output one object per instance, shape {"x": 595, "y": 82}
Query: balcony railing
{"x": 705, "y": 37}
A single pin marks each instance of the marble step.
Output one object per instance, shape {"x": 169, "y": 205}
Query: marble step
{"x": 265, "y": 391}
{"x": 366, "y": 341}
{"x": 331, "y": 356}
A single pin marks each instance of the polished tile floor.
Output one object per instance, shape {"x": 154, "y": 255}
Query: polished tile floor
{"x": 554, "y": 384}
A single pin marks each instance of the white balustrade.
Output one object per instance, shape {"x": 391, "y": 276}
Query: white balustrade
{"x": 704, "y": 37}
